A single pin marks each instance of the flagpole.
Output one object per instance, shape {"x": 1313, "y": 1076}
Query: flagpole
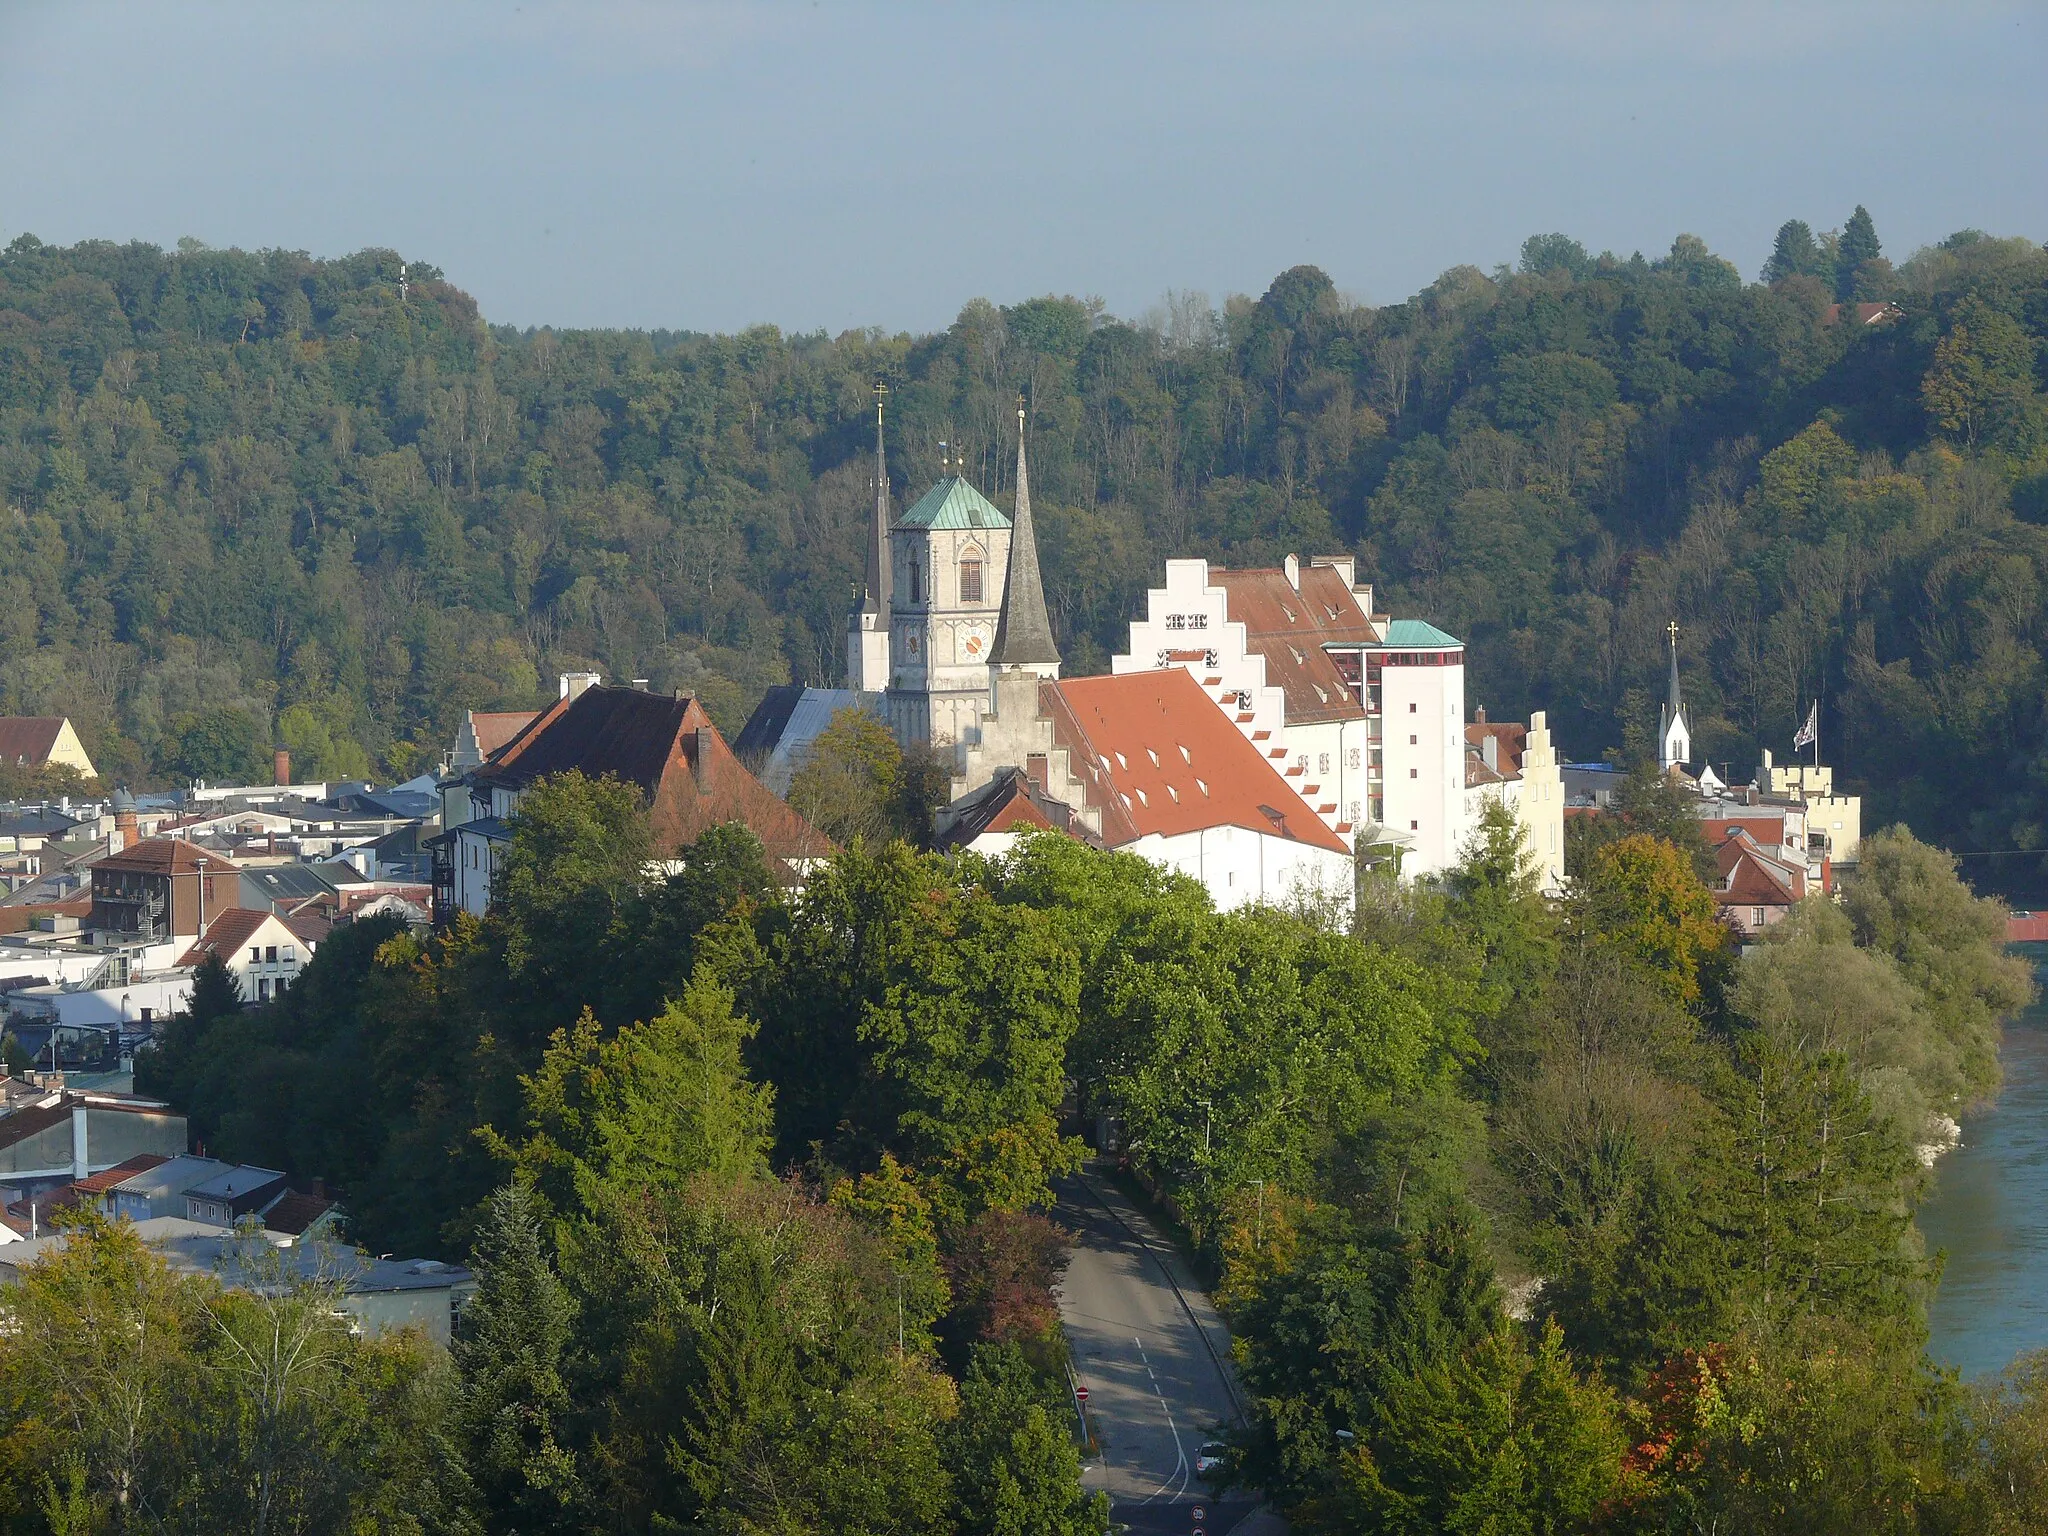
{"x": 1816, "y": 733}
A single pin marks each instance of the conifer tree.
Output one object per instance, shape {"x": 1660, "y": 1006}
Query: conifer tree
{"x": 509, "y": 1350}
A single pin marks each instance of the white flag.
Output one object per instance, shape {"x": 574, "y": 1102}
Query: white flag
{"x": 1809, "y": 733}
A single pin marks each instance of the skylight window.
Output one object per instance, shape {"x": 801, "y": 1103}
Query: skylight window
{"x": 1185, "y": 756}
{"x": 1173, "y": 792}
{"x": 1202, "y": 786}
{"x": 1153, "y": 755}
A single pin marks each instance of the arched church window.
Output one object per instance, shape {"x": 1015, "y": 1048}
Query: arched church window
{"x": 970, "y": 579}
{"x": 916, "y": 580}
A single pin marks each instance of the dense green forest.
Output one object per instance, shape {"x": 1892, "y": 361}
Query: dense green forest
{"x": 1528, "y": 1218}
{"x": 257, "y": 495}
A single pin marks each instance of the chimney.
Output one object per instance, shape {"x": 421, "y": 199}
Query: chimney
{"x": 281, "y": 767}
{"x": 640, "y": 684}
{"x": 1292, "y": 565}
{"x": 127, "y": 832}
{"x": 574, "y": 683}
{"x": 1479, "y": 714}
{"x": 700, "y": 769}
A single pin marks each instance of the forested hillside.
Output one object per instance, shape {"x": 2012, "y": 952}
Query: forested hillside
{"x": 258, "y": 494}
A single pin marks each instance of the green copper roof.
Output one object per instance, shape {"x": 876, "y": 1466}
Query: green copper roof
{"x": 952, "y": 503}
{"x": 1420, "y": 635}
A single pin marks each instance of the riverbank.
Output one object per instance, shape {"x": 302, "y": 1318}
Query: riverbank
{"x": 1988, "y": 1212}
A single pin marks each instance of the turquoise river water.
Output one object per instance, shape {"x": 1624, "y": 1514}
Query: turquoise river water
{"x": 1989, "y": 1211}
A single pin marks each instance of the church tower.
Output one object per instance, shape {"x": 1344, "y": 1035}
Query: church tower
{"x": 948, "y": 555}
{"x": 1674, "y": 725}
{"x": 867, "y": 628}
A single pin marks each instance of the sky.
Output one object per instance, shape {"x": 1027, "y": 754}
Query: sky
{"x": 830, "y": 166}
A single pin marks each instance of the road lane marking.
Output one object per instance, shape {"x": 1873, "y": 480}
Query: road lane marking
{"x": 1180, "y": 1470}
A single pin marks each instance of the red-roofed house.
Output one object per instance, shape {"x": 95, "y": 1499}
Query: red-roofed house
{"x": 1149, "y": 765}
{"x": 36, "y": 741}
{"x": 666, "y": 747}
{"x": 1757, "y": 885}
{"x": 266, "y": 952}
{"x": 163, "y": 888}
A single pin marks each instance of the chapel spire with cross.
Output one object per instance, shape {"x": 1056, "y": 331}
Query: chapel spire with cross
{"x": 1674, "y": 724}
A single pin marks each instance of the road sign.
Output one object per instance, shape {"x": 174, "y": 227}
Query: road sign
{"x": 1198, "y": 1514}
{"x": 1081, "y": 1394}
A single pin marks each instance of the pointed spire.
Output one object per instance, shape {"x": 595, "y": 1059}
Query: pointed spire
{"x": 875, "y": 599}
{"x": 1024, "y": 633}
{"x": 1676, "y": 703}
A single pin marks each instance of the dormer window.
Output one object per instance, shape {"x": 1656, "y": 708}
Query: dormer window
{"x": 970, "y": 579}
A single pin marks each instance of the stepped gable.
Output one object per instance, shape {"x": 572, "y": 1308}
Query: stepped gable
{"x": 1159, "y": 758}
{"x": 1290, "y": 627}
{"x": 495, "y": 729}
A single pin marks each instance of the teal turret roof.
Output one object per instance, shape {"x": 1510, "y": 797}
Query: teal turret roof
{"x": 953, "y": 503}
{"x": 1420, "y": 634}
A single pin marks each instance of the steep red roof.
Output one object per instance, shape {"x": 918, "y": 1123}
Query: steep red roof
{"x": 168, "y": 856}
{"x": 1159, "y": 757}
{"x": 495, "y": 728}
{"x": 294, "y": 1212}
{"x": 28, "y": 738}
{"x": 672, "y": 751}
{"x": 226, "y": 935}
{"x": 93, "y": 1184}
{"x": 1753, "y": 876}
{"x": 1289, "y": 626}
{"x": 1009, "y": 802}
{"x": 1509, "y": 741}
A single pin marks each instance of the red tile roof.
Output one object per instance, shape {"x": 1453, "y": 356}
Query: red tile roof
{"x": 142, "y": 1162}
{"x": 1510, "y": 739}
{"x": 1754, "y": 876}
{"x": 1290, "y": 627}
{"x": 294, "y": 1212}
{"x": 227, "y": 934}
{"x": 655, "y": 743}
{"x": 1009, "y": 802}
{"x": 1159, "y": 757}
{"x": 168, "y": 856}
{"x": 28, "y": 738}
{"x": 494, "y": 729}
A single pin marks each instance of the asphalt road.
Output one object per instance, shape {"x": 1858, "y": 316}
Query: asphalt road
{"x": 1155, "y": 1359}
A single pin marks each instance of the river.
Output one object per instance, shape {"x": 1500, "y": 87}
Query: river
{"x": 1989, "y": 1211}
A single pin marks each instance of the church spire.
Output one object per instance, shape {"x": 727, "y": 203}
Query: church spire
{"x": 1674, "y": 725}
{"x": 875, "y": 599}
{"x": 1024, "y": 634}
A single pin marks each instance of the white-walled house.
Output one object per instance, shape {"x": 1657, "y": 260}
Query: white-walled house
{"x": 263, "y": 950}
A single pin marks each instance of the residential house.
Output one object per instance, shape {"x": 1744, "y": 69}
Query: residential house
{"x": 665, "y": 747}
{"x": 57, "y": 1136}
{"x": 1517, "y": 765}
{"x": 161, "y": 888}
{"x": 38, "y": 741}
{"x": 1756, "y": 886}
{"x": 263, "y": 951}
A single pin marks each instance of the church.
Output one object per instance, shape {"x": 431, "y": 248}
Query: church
{"x": 953, "y": 596}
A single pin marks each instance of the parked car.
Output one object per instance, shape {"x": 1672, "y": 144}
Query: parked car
{"x": 1213, "y": 1459}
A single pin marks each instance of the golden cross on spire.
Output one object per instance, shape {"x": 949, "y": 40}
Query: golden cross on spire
{"x": 1671, "y": 629}
{"x": 1020, "y": 408}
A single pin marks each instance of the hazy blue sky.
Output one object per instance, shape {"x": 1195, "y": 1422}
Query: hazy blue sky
{"x": 831, "y": 165}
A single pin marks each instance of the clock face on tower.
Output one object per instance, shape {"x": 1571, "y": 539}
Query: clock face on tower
{"x": 974, "y": 642}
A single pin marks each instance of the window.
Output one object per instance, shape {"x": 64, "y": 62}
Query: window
{"x": 1413, "y": 774}
{"x": 1414, "y": 826}
{"x": 1301, "y": 762}
{"x": 255, "y": 954}
{"x": 1322, "y": 762}
{"x": 1756, "y": 917}
{"x": 1411, "y": 741}
{"x": 1176, "y": 621}
{"x": 1198, "y": 621}
{"x": 263, "y": 990}
{"x": 270, "y": 954}
{"x": 970, "y": 581}
{"x": 1351, "y": 758}
{"x": 1411, "y": 709}
{"x": 291, "y": 955}
{"x": 916, "y": 579}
